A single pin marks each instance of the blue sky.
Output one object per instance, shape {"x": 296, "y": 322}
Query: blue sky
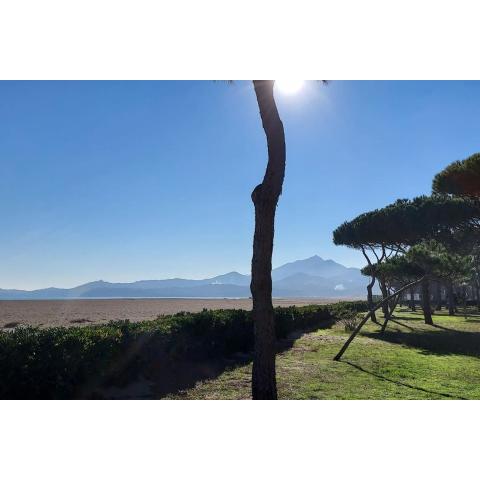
{"x": 124, "y": 181}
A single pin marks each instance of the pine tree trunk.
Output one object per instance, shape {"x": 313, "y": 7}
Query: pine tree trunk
{"x": 427, "y": 313}
{"x": 412, "y": 299}
{"x": 265, "y": 197}
{"x": 383, "y": 289}
{"x": 370, "y": 299}
{"x": 393, "y": 304}
{"x": 438, "y": 295}
{"x": 464, "y": 299}
{"x": 451, "y": 300}
{"x": 477, "y": 293}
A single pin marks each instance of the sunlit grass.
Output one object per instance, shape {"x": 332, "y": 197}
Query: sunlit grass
{"x": 410, "y": 361}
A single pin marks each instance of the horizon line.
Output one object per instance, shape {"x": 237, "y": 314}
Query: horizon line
{"x": 168, "y": 278}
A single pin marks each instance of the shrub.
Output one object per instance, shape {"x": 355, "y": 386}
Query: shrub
{"x": 58, "y": 362}
{"x": 350, "y": 321}
{"x": 53, "y": 362}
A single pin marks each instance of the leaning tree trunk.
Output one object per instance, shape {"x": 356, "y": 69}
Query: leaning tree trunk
{"x": 427, "y": 313}
{"x": 265, "y": 197}
{"x": 338, "y": 356}
{"x": 451, "y": 299}
{"x": 370, "y": 299}
{"x": 393, "y": 304}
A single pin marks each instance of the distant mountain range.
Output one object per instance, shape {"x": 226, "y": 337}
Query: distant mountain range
{"x": 312, "y": 277}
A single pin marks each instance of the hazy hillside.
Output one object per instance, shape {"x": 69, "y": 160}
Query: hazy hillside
{"x": 315, "y": 266}
{"x": 311, "y": 277}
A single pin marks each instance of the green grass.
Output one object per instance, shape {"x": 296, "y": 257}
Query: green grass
{"x": 169, "y": 354}
{"x": 410, "y": 360}
{"x": 207, "y": 355}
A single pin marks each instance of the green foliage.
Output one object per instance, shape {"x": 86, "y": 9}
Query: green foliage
{"x": 410, "y": 360}
{"x": 436, "y": 261}
{"x": 460, "y": 178}
{"x": 350, "y": 321}
{"x": 59, "y": 362}
{"x": 463, "y": 241}
{"x": 51, "y": 363}
{"x": 407, "y": 222}
{"x": 426, "y": 258}
{"x": 399, "y": 269}
{"x": 429, "y": 258}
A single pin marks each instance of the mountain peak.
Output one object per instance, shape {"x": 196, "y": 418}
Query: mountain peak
{"x": 231, "y": 278}
{"x": 314, "y": 265}
{"x": 311, "y": 276}
{"x": 315, "y": 258}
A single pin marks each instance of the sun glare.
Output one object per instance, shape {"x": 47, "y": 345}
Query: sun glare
{"x": 289, "y": 87}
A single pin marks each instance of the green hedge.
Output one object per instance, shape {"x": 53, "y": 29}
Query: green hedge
{"x": 59, "y": 362}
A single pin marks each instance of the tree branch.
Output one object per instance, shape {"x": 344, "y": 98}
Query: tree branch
{"x": 338, "y": 356}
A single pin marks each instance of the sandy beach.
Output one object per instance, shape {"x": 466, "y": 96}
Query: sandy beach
{"x": 87, "y": 312}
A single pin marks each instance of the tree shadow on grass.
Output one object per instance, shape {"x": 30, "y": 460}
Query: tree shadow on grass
{"x": 404, "y": 325}
{"x": 403, "y": 384}
{"x": 441, "y": 313}
{"x": 472, "y": 320}
{"x": 441, "y": 327}
{"x": 405, "y": 310}
{"x": 443, "y": 342}
{"x": 148, "y": 371}
{"x": 416, "y": 321}
{"x": 460, "y": 313}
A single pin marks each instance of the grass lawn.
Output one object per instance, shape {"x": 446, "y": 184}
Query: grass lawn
{"x": 410, "y": 360}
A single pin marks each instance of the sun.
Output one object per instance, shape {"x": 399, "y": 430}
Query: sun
{"x": 289, "y": 87}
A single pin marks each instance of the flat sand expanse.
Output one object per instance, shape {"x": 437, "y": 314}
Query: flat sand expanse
{"x": 87, "y": 312}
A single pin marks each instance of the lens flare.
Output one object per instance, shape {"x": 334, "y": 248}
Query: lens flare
{"x": 289, "y": 87}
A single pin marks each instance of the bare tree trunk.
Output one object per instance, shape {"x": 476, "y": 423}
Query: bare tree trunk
{"x": 412, "y": 299}
{"x": 370, "y": 299}
{"x": 427, "y": 313}
{"x": 265, "y": 197}
{"x": 384, "y": 326}
{"x": 451, "y": 300}
{"x": 477, "y": 294}
{"x": 383, "y": 289}
{"x": 392, "y": 303}
{"x": 438, "y": 295}
{"x": 395, "y": 301}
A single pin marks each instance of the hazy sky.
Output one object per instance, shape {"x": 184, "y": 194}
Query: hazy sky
{"x": 124, "y": 181}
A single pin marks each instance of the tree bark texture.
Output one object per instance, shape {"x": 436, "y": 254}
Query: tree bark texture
{"x": 370, "y": 299}
{"x": 451, "y": 299}
{"x": 427, "y": 313}
{"x": 412, "y": 299}
{"x": 265, "y": 198}
{"x": 477, "y": 295}
{"x": 385, "y": 306}
{"x": 438, "y": 295}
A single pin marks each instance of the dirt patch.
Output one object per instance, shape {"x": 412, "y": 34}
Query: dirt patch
{"x": 54, "y": 313}
{"x": 11, "y": 325}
